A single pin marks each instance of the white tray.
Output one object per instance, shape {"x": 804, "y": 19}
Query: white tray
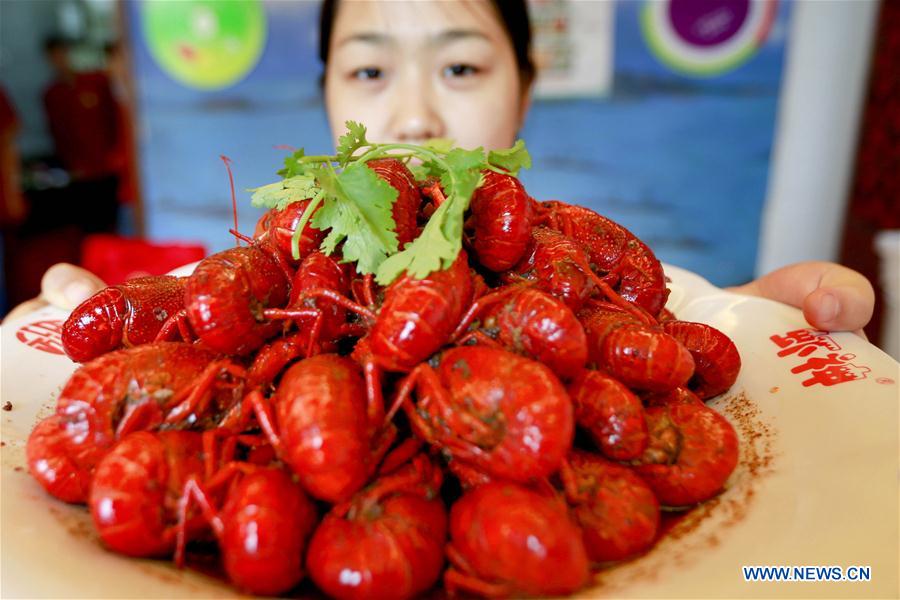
{"x": 817, "y": 483}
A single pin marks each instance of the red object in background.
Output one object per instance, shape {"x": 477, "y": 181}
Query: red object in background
{"x": 115, "y": 259}
{"x": 876, "y": 191}
{"x": 875, "y": 195}
{"x": 83, "y": 119}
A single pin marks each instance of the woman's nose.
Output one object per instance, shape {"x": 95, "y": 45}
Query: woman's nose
{"x": 415, "y": 115}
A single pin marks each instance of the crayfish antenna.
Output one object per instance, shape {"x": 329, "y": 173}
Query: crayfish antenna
{"x": 227, "y": 161}
{"x": 240, "y": 236}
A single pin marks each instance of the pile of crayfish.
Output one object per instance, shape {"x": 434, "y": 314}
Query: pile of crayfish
{"x": 505, "y": 425}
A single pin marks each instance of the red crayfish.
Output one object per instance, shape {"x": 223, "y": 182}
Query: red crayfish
{"x": 622, "y": 258}
{"x": 501, "y": 413}
{"x": 617, "y": 512}
{"x": 502, "y": 213}
{"x": 692, "y": 451}
{"x": 122, "y": 316}
{"x": 268, "y": 437}
{"x": 123, "y": 391}
{"x": 530, "y": 322}
{"x": 323, "y": 428}
{"x": 388, "y": 541}
{"x": 545, "y": 556}
{"x": 141, "y": 497}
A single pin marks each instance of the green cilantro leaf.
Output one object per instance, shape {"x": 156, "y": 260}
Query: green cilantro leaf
{"x": 292, "y": 164}
{"x": 358, "y": 208}
{"x": 511, "y": 159}
{"x": 350, "y": 142}
{"x": 439, "y": 145}
{"x": 280, "y": 194}
{"x": 427, "y": 253}
{"x": 441, "y": 240}
{"x": 419, "y": 171}
{"x": 354, "y": 205}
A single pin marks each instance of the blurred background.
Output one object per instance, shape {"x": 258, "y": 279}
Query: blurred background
{"x": 732, "y": 136}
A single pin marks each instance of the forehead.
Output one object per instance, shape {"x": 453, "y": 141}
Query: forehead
{"x": 414, "y": 19}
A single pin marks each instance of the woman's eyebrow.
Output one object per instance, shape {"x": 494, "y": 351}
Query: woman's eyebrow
{"x": 371, "y": 37}
{"x": 451, "y": 35}
{"x": 382, "y": 39}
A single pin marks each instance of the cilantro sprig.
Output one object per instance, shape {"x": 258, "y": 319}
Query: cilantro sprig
{"x": 355, "y": 204}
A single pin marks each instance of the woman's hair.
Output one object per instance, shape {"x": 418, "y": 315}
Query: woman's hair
{"x": 513, "y": 16}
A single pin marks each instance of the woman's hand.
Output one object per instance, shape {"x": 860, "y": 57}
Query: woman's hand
{"x": 833, "y": 297}
{"x": 64, "y": 286}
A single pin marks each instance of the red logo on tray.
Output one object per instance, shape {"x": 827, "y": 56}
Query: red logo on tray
{"x": 45, "y": 336}
{"x": 828, "y": 366}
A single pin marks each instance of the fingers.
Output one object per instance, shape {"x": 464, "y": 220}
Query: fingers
{"x": 840, "y": 307}
{"x": 66, "y": 286}
{"x": 832, "y": 297}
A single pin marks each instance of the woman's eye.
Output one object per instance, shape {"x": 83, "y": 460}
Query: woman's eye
{"x": 367, "y": 73}
{"x": 460, "y": 70}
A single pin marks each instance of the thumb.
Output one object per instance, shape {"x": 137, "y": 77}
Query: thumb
{"x": 66, "y": 286}
{"x": 839, "y": 307}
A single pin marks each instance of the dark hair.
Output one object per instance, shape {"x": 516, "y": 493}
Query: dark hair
{"x": 56, "y": 42}
{"x": 513, "y": 16}
{"x": 111, "y": 47}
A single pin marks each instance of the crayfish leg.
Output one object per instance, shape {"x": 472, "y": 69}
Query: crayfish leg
{"x": 400, "y": 455}
{"x": 455, "y": 580}
{"x": 177, "y": 322}
{"x": 194, "y": 491}
{"x": 255, "y": 403}
{"x": 610, "y": 294}
{"x": 482, "y": 303}
{"x": 199, "y": 394}
{"x": 274, "y": 357}
{"x": 145, "y": 416}
{"x": 374, "y": 398}
{"x": 340, "y": 300}
{"x": 402, "y": 397}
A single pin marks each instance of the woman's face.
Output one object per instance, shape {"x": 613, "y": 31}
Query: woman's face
{"x": 412, "y": 70}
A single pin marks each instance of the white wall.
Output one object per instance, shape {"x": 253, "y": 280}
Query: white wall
{"x": 826, "y": 77}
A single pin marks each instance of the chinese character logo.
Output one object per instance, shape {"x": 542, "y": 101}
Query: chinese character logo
{"x": 45, "y": 336}
{"x": 828, "y": 367}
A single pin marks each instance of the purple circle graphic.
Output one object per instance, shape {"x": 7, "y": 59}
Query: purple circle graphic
{"x": 707, "y": 22}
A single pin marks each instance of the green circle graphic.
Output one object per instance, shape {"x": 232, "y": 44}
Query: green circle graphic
{"x": 206, "y": 44}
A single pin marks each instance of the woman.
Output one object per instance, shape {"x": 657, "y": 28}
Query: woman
{"x": 414, "y": 70}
